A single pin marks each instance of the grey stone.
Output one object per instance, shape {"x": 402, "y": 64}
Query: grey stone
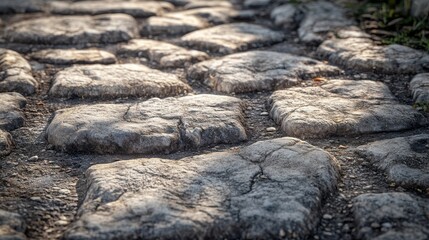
{"x": 205, "y": 4}
{"x": 407, "y": 214}
{"x": 12, "y": 226}
{"x": 256, "y": 3}
{"x": 271, "y": 188}
{"x": 404, "y": 159}
{"x": 419, "y": 87}
{"x": 341, "y": 108}
{"x": 11, "y": 116}
{"x": 362, "y": 54}
{"x": 6, "y": 144}
{"x": 141, "y": 9}
{"x": 230, "y": 38}
{"x": 15, "y": 73}
{"x": 153, "y": 126}
{"x": 166, "y": 54}
{"x": 258, "y": 71}
{"x": 21, "y": 6}
{"x": 74, "y": 56}
{"x": 420, "y": 8}
{"x": 286, "y": 16}
{"x": 114, "y": 81}
{"x": 57, "y": 30}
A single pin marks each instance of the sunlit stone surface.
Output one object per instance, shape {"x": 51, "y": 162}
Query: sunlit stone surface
{"x": 6, "y": 143}
{"x": 11, "y": 116}
{"x": 74, "y": 56}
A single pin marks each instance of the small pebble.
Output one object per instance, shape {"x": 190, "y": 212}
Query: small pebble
{"x": 271, "y": 129}
{"x": 375, "y": 225}
{"x": 327, "y": 216}
{"x": 36, "y": 198}
{"x": 264, "y": 114}
{"x": 387, "y": 225}
{"x": 33, "y": 158}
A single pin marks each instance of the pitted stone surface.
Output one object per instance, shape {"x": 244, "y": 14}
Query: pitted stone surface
{"x": 230, "y": 38}
{"x": 404, "y": 159}
{"x": 153, "y": 126}
{"x": 21, "y": 6}
{"x": 11, "y": 116}
{"x": 15, "y": 73}
{"x": 341, "y": 108}
{"x": 6, "y": 144}
{"x": 140, "y": 9}
{"x": 74, "y": 56}
{"x": 12, "y": 226}
{"x": 356, "y": 52}
{"x": 270, "y": 188}
{"x": 57, "y": 30}
{"x": 115, "y": 81}
{"x": 419, "y": 87}
{"x": 258, "y": 71}
{"x": 406, "y": 215}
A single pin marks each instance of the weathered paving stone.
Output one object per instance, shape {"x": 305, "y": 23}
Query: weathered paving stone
{"x": 256, "y": 3}
{"x": 6, "y": 144}
{"x": 286, "y": 16}
{"x": 57, "y": 30}
{"x": 11, "y": 116}
{"x": 153, "y": 126}
{"x": 353, "y": 51}
{"x": 258, "y": 71}
{"x": 270, "y": 188}
{"x": 419, "y": 87}
{"x": 74, "y": 56}
{"x": 166, "y": 54}
{"x": 21, "y": 6}
{"x": 15, "y": 73}
{"x": 140, "y": 9}
{"x": 341, "y": 108}
{"x": 400, "y": 215}
{"x": 205, "y": 4}
{"x": 230, "y": 38}
{"x": 404, "y": 159}
{"x": 115, "y": 81}
{"x": 12, "y": 226}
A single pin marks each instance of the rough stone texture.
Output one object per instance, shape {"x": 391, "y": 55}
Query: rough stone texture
{"x": 286, "y": 16}
{"x": 407, "y": 215}
{"x": 258, "y": 71}
{"x": 11, "y": 116}
{"x": 12, "y": 226}
{"x": 353, "y": 51}
{"x": 256, "y": 3}
{"x": 419, "y": 87}
{"x": 341, "y": 108}
{"x": 404, "y": 159}
{"x": 420, "y": 8}
{"x": 153, "y": 126}
{"x": 140, "y": 9}
{"x": 230, "y": 38}
{"x": 6, "y": 144}
{"x": 205, "y": 4}
{"x": 107, "y": 28}
{"x": 270, "y": 188}
{"x": 20, "y": 6}
{"x": 74, "y": 56}
{"x": 166, "y": 54}
{"x": 114, "y": 81}
{"x": 15, "y": 73}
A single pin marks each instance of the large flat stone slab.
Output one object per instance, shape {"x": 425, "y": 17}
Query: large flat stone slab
{"x": 12, "y": 226}
{"x": 404, "y": 159}
{"x": 58, "y": 30}
{"x": 165, "y": 54}
{"x": 400, "y": 215}
{"x": 271, "y": 188}
{"x": 15, "y": 73}
{"x": 11, "y": 116}
{"x": 141, "y": 9}
{"x": 6, "y": 144}
{"x": 74, "y": 56}
{"x": 353, "y": 50}
{"x": 230, "y": 38}
{"x": 21, "y": 6}
{"x": 115, "y": 81}
{"x": 153, "y": 126}
{"x": 258, "y": 71}
{"x": 419, "y": 87}
{"x": 341, "y": 108}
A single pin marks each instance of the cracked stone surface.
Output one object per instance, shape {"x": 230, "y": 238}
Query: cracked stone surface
{"x": 270, "y": 188}
{"x": 15, "y": 73}
{"x": 230, "y": 38}
{"x": 21, "y": 6}
{"x": 74, "y": 56}
{"x": 354, "y": 51}
{"x": 341, "y": 108}
{"x": 141, "y": 9}
{"x": 12, "y": 226}
{"x": 115, "y": 81}
{"x": 166, "y": 54}
{"x": 11, "y": 116}
{"x": 404, "y": 159}
{"x": 258, "y": 71}
{"x": 71, "y": 30}
{"x": 6, "y": 144}
{"x": 419, "y": 87}
{"x": 401, "y": 216}
{"x": 153, "y": 126}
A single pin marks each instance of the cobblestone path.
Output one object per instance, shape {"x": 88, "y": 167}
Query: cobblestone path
{"x": 197, "y": 119}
